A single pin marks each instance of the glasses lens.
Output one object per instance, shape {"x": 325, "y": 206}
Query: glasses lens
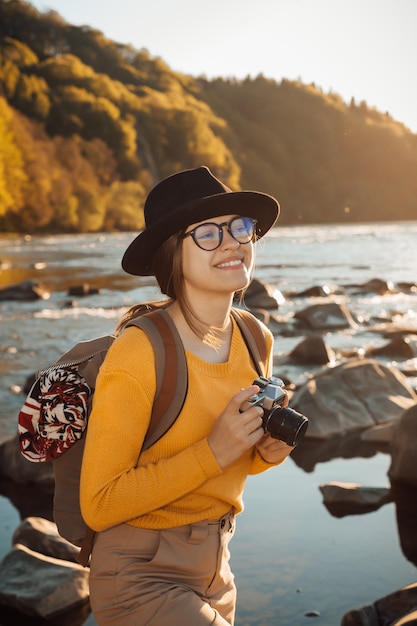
{"x": 242, "y": 229}
{"x": 207, "y": 236}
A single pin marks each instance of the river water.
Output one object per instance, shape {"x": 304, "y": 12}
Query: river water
{"x": 290, "y": 556}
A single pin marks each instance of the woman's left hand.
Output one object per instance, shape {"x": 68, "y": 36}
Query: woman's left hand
{"x": 273, "y": 450}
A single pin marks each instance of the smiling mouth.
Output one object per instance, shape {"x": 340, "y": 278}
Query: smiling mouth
{"x": 234, "y": 263}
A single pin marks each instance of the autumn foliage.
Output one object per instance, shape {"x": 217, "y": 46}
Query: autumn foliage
{"x": 88, "y": 125}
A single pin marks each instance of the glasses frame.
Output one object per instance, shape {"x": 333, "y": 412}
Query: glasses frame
{"x": 191, "y": 233}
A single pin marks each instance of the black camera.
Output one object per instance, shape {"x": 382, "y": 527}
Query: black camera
{"x": 280, "y": 422}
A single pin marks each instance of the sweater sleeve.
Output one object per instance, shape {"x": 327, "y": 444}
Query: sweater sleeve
{"x": 114, "y": 488}
{"x": 259, "y": 465}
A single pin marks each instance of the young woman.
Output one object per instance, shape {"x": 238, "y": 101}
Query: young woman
{"x": 165, "y": 515}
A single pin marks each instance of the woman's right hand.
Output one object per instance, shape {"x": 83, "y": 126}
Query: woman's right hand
{"x": 235, "y": 432}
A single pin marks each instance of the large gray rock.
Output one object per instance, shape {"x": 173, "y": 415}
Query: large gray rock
{"x": 85, "y": 289}
{"x": 343, "y": 499}
{"x": 398, "y": 608}
{"x": 15, "y": 466}
{"x": 403, "y": 468}
{"x": 261, "y": 295}
{"x": 358, "y": 394}
{"x": 326, "y": 316}
{"x": 41, "y": 535}
{"x": 380, "y": 435}
{"x": 400, "y": 347}
{"x": 311, "y": 452}
{"x": 38, "y": 585}
{"x": 374, "y": 285}
{"x": 312, "y": 350}
{"x": 317, "y": 291}
{"x": 405, "y": 499}
{"x": 26, "y": 290}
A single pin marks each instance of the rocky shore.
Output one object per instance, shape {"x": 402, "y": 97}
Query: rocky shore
{"x": 354, "y": 401}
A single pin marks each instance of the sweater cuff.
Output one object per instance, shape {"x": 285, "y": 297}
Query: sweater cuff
{"x": 206, "y": 459}
{"x": 260, "y": 465}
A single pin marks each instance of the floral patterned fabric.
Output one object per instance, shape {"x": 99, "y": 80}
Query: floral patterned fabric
{"x": 54, "y": 414}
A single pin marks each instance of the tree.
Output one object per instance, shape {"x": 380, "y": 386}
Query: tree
{"x": 13, "y": 178}
{"x": 124, "y": 206}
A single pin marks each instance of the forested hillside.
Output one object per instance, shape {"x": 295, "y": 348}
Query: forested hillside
{"x": 88, "y": 125}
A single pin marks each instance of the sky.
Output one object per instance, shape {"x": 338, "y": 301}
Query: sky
{"x": 365, "y": 49}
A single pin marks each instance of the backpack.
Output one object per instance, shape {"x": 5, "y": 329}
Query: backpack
{"x": 53, "y": 420}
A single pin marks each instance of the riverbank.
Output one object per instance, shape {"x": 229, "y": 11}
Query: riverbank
{"x": 290, "y": 554}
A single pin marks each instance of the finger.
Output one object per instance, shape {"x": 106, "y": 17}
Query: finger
{"x": 241, "y": 400}
{"x": 286, "y": 400}
{"x": 273, "y": 445}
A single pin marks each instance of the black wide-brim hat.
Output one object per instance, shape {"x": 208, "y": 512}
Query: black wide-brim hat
{"x": 186, "y": 198}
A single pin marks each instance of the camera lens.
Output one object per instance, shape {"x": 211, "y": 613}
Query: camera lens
{"x": 287, "y": 425}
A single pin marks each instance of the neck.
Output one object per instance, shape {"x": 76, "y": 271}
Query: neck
{"x": 210, "y": 308}
{"x": 217, "y": 325}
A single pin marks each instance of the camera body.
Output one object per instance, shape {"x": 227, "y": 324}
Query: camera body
{"x": 280, "y": 422}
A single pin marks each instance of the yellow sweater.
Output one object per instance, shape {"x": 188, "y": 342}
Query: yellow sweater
{"x": 178, "y": 480}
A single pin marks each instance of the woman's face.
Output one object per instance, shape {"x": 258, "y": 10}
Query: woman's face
{"x": 226, "y": 269}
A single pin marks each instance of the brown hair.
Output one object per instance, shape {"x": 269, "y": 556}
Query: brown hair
{"x": 167, "y": 268}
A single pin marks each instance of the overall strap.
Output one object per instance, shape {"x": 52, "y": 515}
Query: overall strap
{"x": 254, "y": 337}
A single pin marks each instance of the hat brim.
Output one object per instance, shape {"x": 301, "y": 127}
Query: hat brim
{"x": 137, "y": 259}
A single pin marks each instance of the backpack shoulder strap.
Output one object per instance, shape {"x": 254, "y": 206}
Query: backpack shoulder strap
{"x": 254, "y": 337}
{"x": 171, "y": 387}
{"x": 171, "y": 372}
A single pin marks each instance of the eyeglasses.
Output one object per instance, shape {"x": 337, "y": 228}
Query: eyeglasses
{"x": 209, "y": 236}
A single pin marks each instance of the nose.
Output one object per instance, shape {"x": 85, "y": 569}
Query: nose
{"x": 227, "y": 240}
